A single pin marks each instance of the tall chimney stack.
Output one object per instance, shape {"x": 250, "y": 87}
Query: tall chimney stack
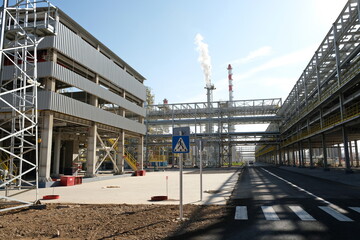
{"x": 231, "y": 98}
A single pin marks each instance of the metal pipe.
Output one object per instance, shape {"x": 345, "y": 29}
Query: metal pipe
{"x": 181, "y": 186}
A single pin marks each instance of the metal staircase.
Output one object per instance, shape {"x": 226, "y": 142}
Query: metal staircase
{"x": 130, "y": 160}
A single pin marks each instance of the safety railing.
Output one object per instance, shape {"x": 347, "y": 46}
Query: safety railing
{"x": 157, "y": 158}
{"x": 264, "y": 151}
{"x": 348, "y": 75}
{"x": 130, "y": 160}
{"x": 351, "y": 112}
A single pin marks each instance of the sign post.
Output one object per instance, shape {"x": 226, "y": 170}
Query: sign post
{"x": 201, "y": 184}
{"x": 181, "y": 144}
{"x": 199, "y": 145}
{"x": 167, "y": 186}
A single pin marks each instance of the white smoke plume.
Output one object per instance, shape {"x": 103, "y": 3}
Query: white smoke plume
{"x": 204, "y": 58}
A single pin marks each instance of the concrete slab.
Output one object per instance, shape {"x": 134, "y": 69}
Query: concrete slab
{"x": 217, "y": 189}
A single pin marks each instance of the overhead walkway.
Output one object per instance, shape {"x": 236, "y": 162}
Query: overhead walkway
{"x": 231, "y": 120}
{"x": 233, "y": 137}
{"x": 199, "y": 110}
{"x": 216, "y": 124}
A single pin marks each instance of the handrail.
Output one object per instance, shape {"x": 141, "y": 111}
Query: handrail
{"x": 130, "y": 160}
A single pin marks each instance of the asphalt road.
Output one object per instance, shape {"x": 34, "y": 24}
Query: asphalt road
{"x": 272, "y": 203}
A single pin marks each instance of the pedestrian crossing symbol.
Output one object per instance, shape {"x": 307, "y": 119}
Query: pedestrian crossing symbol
{"x": 180, "y": 144}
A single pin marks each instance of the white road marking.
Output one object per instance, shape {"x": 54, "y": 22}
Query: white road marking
{"x": 270, "y": 213}
{"x": 357, "y": 209}
{"x": 301, "y": 213}
{"x": 335, "y": 214}
{"x": 241, "y": 213}
{"x": 307, "y": 192}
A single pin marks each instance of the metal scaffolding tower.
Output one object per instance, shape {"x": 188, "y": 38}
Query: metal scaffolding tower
{"x": 23, "y": 23}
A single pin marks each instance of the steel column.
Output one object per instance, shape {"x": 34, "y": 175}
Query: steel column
{"x": 324, "y": 151}
{"x": 339, "y": 155}
{"x": 351, "y": 154}
{"x": 293, "y": 156}
{"x": 356, "y": 154}
{"x": 280, "y": 155}
{"x": 288, "y": 156}
{"x": 318, "y": 76}
{"x": 346, "y": 149}
{"x": 341, "y": 106}
{"x": 311, "y": 154}
{"x": 337, "y": 56}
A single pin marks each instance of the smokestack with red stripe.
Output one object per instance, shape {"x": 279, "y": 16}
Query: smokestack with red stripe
{"x": 230, "y": 83}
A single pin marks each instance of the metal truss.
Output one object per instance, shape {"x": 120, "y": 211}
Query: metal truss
{"x": 334, "y": 64}
{"x": 109, "y": 147}
{"x": 23, "y": 25}
{"x": 256, "y": 107}
{"x": 223, "y": 117}
{"x": 333, "y": 67}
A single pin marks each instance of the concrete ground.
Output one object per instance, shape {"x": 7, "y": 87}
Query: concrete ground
{"x": 125, "y": 189}
{"x": 218, "y": 184}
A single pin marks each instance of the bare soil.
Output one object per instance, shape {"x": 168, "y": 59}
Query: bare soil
{"x": 59, "y": 221}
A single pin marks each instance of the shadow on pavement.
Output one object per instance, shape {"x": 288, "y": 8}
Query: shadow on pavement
{"x": 218, "y": 228}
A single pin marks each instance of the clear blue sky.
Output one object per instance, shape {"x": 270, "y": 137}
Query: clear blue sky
{"x": 268, "y": 42}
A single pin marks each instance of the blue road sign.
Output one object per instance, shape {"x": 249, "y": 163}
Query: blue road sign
{"x": 180, "y": 144}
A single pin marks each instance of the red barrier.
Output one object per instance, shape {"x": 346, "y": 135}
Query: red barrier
{"x": 67, "y": 181}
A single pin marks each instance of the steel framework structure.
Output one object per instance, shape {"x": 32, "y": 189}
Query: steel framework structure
{"x": 326, "y": 95}
{"x": 222, "y": 116}
{"x": 334, "y": 64}
{"x": 23, "y": 25}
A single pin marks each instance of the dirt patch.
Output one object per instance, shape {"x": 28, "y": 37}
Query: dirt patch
{"x": 59, "y": 221}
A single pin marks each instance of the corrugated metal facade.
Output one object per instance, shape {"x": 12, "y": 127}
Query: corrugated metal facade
{"x": 73, "y": 46}
{"x": 73, "y": 79}
{"x": 59, "y": 103}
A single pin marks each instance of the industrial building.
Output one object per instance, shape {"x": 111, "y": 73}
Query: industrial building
{"x": 91, "y": 99}
{"x": 64, "y": 90}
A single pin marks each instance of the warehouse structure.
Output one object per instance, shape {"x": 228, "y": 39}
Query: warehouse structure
{"x": 67, "y": 101}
